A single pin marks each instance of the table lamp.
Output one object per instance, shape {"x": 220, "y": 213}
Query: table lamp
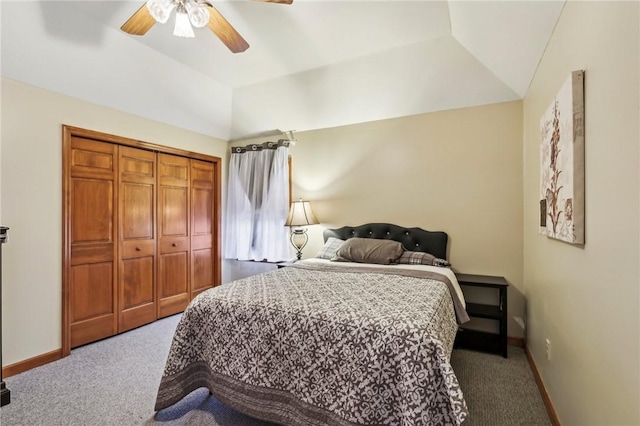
{"x": 300, "y": 214}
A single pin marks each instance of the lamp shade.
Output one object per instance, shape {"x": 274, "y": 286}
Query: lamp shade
{"x": 300, "y": 214}
{"x": 183, "y": 27}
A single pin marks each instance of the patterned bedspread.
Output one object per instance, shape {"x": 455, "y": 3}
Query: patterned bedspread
{"x": 314, "y": 345}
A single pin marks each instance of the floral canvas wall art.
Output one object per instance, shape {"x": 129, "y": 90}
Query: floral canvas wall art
{"x": 562, "y": 163}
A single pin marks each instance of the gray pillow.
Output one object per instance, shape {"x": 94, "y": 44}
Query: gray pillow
{"x": 369, "y": 250}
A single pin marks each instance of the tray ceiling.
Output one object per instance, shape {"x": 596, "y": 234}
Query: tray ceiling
{"x": 312, "y": 64}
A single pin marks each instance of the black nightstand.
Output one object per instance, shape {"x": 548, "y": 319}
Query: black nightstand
{"x": 482, "y": 340}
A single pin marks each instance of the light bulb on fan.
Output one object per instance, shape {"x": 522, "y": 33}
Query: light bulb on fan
{"x": 160, "y": 9}
{"x": 198, "y": 13}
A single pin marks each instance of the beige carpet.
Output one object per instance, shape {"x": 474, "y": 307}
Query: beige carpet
{"x": 114, "y": 382}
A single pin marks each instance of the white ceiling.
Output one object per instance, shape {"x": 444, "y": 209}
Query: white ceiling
{"x": 312, "y": 64}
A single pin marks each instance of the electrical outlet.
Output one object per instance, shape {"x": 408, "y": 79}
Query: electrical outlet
{"x": 547, "y": 348}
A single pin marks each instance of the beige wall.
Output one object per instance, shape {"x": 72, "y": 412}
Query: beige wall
{"x": 31, "y": 172}
{"x": 457, "y": 171}
{"x": 586, "y": 299}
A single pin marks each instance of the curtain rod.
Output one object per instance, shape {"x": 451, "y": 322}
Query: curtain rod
{"x": 260, "y": 146}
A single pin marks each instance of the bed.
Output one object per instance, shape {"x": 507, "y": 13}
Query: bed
{"x": 324, "y": 342}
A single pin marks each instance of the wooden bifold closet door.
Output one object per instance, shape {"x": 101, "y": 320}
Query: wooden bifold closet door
{"x": 140, "y": 233}
{"x": 174, "y": 241}
{"x": 92, "y": 241}
{"x": 203, "y": 195}
{"x": 185, "y": 202}
{"x": 137, "y": 266}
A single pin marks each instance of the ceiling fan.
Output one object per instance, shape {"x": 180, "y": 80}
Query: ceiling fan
{"x": 188, "y": 12}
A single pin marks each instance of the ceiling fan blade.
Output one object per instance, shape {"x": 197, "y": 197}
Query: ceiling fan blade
{"x": 225, "y": 32}
{"x": 277, "y": 1}
{"x": 140, "y": 22}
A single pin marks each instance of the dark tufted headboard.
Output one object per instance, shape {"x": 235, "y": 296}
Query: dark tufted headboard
{"x": 414, "y": 239}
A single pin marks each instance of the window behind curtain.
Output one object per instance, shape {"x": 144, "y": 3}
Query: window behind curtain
{"x": 258, "y": 203}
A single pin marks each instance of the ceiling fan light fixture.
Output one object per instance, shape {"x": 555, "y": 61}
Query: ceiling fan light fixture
{"x": 198, "y": 14}
{"x": 183, "y": 26}
{"x": 160, "y": 10}
{"x": 189, "y": 14}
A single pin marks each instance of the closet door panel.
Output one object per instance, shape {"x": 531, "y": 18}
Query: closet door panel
{"x": 133, "y": 249}
{"x": 137, "y": 205}
{"x": 92, "y": 194}
{"x": 91, "y": 294}
{"x": 202, "y": 270}
{"x": 92, "y": 211}
{"x": 91, "y": 253}
{"x": 174, "y": 294}
{"x": 138, "y": 296}
{"x": 202, "y": 238}
{"x": 175, "y": 211}
{"x": 201, "y": 206}
{"x": 91, "y": 286}
{"x": 141, "y": 271}
{"x": 174, "y": 234}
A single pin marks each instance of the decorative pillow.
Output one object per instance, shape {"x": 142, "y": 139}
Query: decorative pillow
{"x": 330, "y": 247}
{"x": 369, "y": 250}
{"x": 421, "y": 258}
